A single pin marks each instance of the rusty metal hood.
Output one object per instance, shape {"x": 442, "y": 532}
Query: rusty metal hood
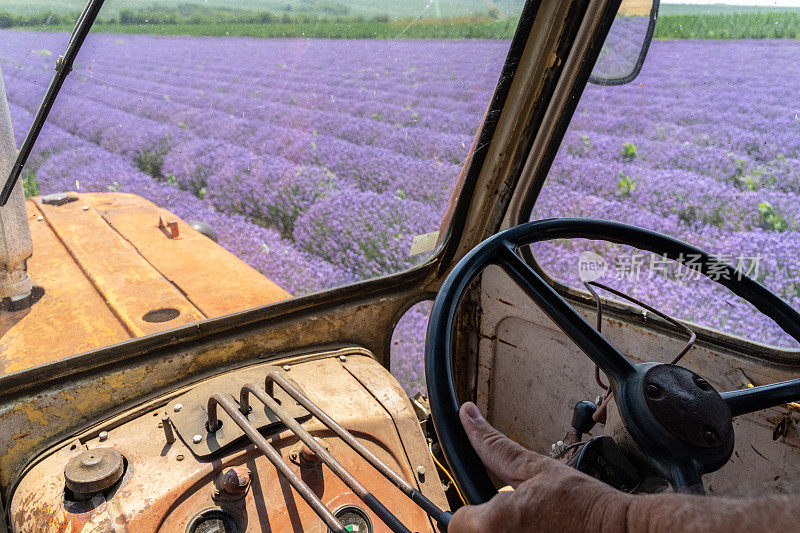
{"x": 109, "y": 267}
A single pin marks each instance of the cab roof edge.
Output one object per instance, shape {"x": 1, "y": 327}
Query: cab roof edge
{"x": 63, "y": 67}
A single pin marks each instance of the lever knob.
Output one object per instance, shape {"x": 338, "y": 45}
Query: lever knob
{"x": 582, "y": 415}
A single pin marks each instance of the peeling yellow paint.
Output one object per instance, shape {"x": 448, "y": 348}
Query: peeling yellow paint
{"x": 34, "y": 415}
{"x": 92, "y": 402}
{"x": 214, "y": 357}
{"x": 125, "y": 379}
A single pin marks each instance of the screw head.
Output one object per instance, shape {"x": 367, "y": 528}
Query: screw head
{"x": 197, "y": 439}
{"x": 342, "y": 358}
{"x": 178, "y": 408}
{"x": 421, "y": 470}
{"x": 86, "y": 208}
{"x": 103, "y": 435}
{"x": 40, "y": 218}
{"x": 179, "y": 457}
{"x": 286, "y": 368}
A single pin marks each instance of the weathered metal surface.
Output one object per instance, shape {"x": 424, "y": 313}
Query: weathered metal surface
{"x": 128, "y": 283}
{"x": 285, "y": 472}
{"x": 166, "y": 486}
{"x": 107, "y": 272}
{"x": 214, "y": 280}
{"x": 276, "y": 379}
{"x": 190, "y": 420}
{"x": 394, "y": 400}
{"x": 71, "y": 317}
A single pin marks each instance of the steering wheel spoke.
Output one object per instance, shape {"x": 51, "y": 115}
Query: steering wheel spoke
{"x": 686, "y": 477}
{"x": 745, "y": 401}
{"x": 586, "y": 337}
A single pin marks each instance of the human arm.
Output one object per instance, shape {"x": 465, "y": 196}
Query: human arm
{"x": 550, "y": 496}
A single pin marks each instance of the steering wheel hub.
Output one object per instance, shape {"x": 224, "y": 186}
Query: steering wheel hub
{"x": 688, "y": 407}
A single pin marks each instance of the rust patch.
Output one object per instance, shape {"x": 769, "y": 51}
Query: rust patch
{"x": 104, "y": 268}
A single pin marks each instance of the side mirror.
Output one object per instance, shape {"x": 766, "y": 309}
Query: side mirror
{"x": 626, "y": 46}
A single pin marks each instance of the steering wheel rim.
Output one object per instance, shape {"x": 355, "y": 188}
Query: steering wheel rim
{"x": 627, "y": 380}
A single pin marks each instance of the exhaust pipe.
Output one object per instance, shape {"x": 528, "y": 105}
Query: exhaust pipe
{"x": 16, "y": 245}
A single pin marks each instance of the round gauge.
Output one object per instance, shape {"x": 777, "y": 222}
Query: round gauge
{"x": 213, "y": 521}
{"x": 354, "y": 519}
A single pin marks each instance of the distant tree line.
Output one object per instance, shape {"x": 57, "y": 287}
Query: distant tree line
{"x": 163, "y": 17}
{"x": 772, "y": 25}
{"x": 333, "y": 20}
{"x": 9, "y": 20}
{"x": 195, "y": 14}
{"x": 175, "y": 16}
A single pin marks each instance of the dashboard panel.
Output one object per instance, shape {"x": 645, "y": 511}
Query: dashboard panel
{"x": 161, "y": 469}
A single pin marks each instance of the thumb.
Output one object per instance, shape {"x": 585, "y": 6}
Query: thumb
{"x": 506, "y": 459}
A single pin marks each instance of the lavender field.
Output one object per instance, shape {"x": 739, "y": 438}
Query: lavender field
{"x": 318, "y": 161}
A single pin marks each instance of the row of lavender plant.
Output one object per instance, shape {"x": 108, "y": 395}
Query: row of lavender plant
{"x": 331, "y": 155}
{"x": 704, "y": 146}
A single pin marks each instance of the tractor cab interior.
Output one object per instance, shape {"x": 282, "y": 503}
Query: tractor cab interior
{"x": 250, "y": 280}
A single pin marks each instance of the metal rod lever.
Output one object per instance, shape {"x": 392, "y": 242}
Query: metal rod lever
{"x": 366, "y": 496}
{"x": 442, "y": 517}
{"x": 274, "y": 457}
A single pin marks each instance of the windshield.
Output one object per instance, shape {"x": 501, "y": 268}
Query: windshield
{"x": 317, "y": 142}
{"x": 703, "y": 146}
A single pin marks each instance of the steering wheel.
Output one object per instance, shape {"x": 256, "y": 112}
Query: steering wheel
{"x": 676, "y": 418}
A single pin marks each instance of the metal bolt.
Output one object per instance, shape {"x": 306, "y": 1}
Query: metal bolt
{"x": 169, "y": 435}
{"x": 421, "y": 470}
{"x": 701, "y": 383}
{"x": 179, "y": 457}
{"x": 286, "y": 368}
{"x": 40, "y": 218}
{"x": 342, "y": 358}
{"x": 103, "y": 435}
{"x": 86, "y": 208}
{"x": 232, "y": 482}
{"x": 710, "y": 436}
{"x": 178, "y": 408}
{"x": 197, "y": 439}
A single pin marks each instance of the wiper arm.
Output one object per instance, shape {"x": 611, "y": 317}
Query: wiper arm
{"x": 63, "y": 68}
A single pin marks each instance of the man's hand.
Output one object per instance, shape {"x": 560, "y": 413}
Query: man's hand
{"x": 547, "y": 496}
{"x": 550, "y": 496}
